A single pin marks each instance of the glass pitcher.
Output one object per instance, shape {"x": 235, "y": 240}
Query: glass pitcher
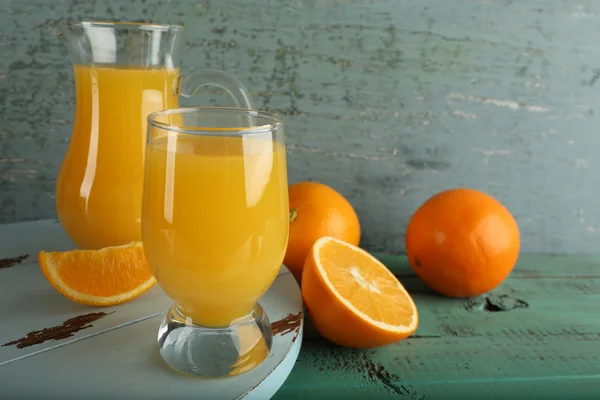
{"x": 123, "y": 72}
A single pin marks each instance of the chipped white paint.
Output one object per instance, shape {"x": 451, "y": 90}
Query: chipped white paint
{"x": 402, "y": 192}
{"x": 513, "y": 105}
{"x": 11, "y": 160}
{"x": 392, "y": 150}
{"x": 490, "y": 153}
{"x": 536, "y": 85}
{"x": 580, "y": 163}
{"x": 464, "y": 114}
{"x": 580, "y": 11}
{"x": 372, "y": 286}
{"x": 355, "y": 156}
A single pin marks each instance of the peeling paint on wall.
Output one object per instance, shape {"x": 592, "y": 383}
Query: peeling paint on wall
{"x": 387, "y": 101}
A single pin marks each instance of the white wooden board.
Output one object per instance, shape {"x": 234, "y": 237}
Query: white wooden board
{"x": 117, "y": 356}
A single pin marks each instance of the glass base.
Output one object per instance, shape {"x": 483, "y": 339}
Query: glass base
{"x": 214, "y": 352}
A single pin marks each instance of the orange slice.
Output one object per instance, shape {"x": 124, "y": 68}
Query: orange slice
{"x": 104, "y": 277}
{"x": 353, "y": 299}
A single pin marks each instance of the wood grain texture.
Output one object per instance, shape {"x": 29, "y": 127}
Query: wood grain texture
{"x": 115, "y": 355}
{"x": 536, "y": 337}
{"x": 547, "y": 350}
{"x": 388, "y": 101}
{"x": 125, "y": 363}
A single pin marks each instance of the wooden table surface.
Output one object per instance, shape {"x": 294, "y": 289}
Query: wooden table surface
{"x": 535, "y": 337}
{"x": 53, "y": 348}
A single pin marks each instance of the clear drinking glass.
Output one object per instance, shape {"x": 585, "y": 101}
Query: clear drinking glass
{"x": 215, "y": 229}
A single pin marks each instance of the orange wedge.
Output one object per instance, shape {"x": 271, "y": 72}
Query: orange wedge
{"x": 105, "y": 277}
{"x": 353, "y": 299}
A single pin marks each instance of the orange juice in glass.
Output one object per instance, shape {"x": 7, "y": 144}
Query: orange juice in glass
{"x": 215, "y": 229}
{"x": 123, "y": 72}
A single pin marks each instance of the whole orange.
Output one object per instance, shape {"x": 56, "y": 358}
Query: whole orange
{"x": 462, "y": 242}
{"x": 317, "y": 210}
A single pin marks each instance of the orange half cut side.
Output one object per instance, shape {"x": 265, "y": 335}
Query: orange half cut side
{"x": 353, "y": 299}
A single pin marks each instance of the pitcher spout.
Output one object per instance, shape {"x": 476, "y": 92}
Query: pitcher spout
{"x": 144, "y": 45}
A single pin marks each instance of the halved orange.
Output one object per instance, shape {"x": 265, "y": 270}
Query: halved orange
{"x": 353, "y": 299}
{"x": 104, "y": 277}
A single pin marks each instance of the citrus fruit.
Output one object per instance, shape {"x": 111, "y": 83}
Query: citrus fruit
{"x": 317, "y": 210}
{"x": 353, "y": 299}
{"x": 462, "y": 242}
{"x": 103, "y": 277}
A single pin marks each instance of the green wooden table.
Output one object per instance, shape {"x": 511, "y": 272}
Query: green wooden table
{"x": 535, "y": 337}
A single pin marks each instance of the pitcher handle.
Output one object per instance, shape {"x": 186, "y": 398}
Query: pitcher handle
{"x": 188, "y": 85}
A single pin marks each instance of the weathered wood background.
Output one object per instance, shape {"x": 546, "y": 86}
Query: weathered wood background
{"x": 387, "y": 101}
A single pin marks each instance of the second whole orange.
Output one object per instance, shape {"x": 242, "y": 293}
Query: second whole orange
{"x": 317, "y": 210}
{"x": 462, "y": 242}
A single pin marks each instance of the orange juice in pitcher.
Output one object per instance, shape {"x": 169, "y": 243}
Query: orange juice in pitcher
{"x": 99, "y": 187}
{"x": 123, "y": 72}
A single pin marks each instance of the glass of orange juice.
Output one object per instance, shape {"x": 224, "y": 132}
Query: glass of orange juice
{"x": 215, "y": 228}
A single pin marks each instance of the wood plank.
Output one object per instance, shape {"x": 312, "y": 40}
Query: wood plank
{"x": 28, "y": 303}
{"x": 560, "y": 293}
{"x": 125, "y": 363}
{"x": 545, "y": 344}
{"x": 548, "y": 350}
{"x": 529, "y": 265}
{"x": 453, "y": 368}
{"x": 117, "y": 354}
